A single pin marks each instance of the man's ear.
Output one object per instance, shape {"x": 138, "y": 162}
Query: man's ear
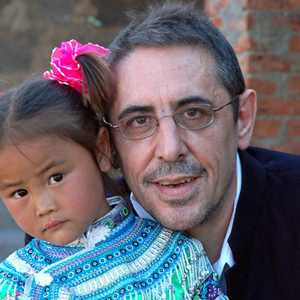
{"x": 247, "y": 113}
{"x": 103, "y": 149}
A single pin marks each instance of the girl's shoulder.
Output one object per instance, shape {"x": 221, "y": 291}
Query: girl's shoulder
{"x": 14, "y": 271}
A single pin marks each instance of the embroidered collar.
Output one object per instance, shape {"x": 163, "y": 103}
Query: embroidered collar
{"x": 100, "y": 229}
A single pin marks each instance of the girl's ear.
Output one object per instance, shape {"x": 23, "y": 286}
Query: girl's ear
{"x": 103, "y": 149}
{"x": 114, "y": 158}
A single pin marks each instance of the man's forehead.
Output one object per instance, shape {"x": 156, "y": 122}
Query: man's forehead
{"x": 161, "y": 77}
{"x": 150, "y": 61}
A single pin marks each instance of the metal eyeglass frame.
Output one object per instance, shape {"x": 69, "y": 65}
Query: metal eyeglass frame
{"x": 176, "y": 121}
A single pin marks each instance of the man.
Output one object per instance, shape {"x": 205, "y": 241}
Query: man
{"x": 181, "y": 123}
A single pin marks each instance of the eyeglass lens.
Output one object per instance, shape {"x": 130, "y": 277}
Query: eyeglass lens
{"x": 190, "y": 117}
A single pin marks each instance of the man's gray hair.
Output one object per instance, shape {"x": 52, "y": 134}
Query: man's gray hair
{"x": 180, "y": 24}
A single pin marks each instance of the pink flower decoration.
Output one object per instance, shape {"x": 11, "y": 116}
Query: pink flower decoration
{"x": 66, "y": 70}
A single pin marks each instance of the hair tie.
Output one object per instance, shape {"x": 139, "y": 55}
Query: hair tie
{"x": 66, "y": 69}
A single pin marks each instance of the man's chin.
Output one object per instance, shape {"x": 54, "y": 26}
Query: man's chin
{"x": 179, "y": 222}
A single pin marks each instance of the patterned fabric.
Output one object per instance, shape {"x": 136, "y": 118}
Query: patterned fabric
{"x": 120, "y": 257}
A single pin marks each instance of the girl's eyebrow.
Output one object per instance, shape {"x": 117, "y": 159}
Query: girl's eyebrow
{"x": 52, "y": 164}
{"x": 5, "y": 186}
{"x": 42, "y": 170}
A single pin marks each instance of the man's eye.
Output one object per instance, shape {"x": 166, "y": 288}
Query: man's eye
{"x": 194, "y": 112}
{"x": 56, "y": 178}
{"x": 20, "y": 194}
{"x": 138, "y": 121}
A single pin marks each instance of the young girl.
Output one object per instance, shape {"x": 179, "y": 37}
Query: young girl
{"x": 53, "y": 151}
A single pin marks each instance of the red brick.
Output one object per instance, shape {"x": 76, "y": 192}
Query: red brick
{"x": 245, "y": 43}
{"x": 266, "y": 128}
{"x": 262, "y": 4}
{"x": 218, "y": 22}
{"x": 290, "y": 146}
{"x": 278, "y": 107}
{"x": 291, "y": 4}
{"x": 294, "y": 22}
{"x": 213, "y": 8}
{"x": 291, "y": 20}
{"x": 264, "y": 63}
{"x": 261, "y": 86}
{"x": 244, "y": 63}
{"x": 295, "y": 44}
{"x": 225, "y": 3}
{"x": 294, "y": 85}
{"x": 248, "y": 21}
{"x": 257, "y": 142}
{"x": 235, "y": 25}
{"x": 293, "y": 127}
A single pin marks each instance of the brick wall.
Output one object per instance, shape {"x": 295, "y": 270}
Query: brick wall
{"x": 266, "y": 37}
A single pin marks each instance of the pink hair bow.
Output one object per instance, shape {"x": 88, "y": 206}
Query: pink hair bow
{"x": 66, "y": 69}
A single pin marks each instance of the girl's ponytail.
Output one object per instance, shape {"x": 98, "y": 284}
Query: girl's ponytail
{"x": 81, "y": 67}
{"x": 98, "y": 78}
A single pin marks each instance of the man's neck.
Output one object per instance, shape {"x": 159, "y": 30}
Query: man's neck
{"x": 212, "y": 237}
{"x": 212, "y": 233}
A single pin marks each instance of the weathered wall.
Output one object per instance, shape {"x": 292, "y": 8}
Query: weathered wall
{"x": 30, "y": 29}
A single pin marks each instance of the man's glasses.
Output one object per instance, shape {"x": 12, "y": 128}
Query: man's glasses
{"x": 194, "y": 116}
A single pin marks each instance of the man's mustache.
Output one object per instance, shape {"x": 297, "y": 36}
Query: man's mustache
{"x": 170, "y": 168}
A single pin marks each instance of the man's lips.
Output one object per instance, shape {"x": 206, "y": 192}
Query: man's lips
{"x": 52, "y": 225}
{"x": 174, "y": 183}
{"x": 176, "y": 189}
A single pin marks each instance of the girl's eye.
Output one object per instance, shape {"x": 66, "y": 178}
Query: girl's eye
{"x": 20, "y": 194}
{"x": 56, "y": 178}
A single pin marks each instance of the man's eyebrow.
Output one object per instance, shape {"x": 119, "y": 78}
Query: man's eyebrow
{"x": 135, "y": 108}
{"x": 189, "y": 100}
{"x": 150, "y": 108}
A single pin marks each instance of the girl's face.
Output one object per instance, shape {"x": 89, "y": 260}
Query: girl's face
{"x": 53, "y": 187}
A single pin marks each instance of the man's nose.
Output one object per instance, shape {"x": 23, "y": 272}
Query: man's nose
{"x": 170, "y": 145}
{"x": 45, "y": 203}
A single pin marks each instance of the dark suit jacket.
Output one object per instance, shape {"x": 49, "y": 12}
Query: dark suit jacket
{"x": 265, "y": 237}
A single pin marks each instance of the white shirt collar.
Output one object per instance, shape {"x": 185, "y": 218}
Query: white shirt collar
{"x": 226, "y": 259}
{"x": 141, "y": 212}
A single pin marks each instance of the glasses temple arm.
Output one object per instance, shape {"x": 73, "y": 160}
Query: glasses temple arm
{"x": 221, "y": 107}
{"x": 111, "y": 125}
